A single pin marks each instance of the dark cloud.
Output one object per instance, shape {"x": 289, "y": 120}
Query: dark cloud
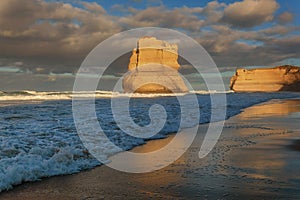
{"x": 213, "y": 12}
{"x": 56, "y": 35}
{"x": 184, "y": 18}
{"x": 278, "y": 30}
{"x": 231, "y": 47}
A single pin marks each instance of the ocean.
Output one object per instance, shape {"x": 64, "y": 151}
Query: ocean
{"x": 38, "y": 137}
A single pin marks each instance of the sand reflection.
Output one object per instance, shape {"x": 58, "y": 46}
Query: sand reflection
{"x": 252, "y": 158}
{"x": 271, "y": 127}
{"x": 274, "y": 108}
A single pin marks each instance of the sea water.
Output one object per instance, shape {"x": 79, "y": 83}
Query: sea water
{"x": 38, "y": 137}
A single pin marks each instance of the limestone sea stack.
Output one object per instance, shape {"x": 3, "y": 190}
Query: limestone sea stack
{"x": 282, "y": 78}
{"x": 153, "y": 68}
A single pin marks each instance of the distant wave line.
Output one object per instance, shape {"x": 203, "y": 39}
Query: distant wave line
{"x": 64, "y": 95}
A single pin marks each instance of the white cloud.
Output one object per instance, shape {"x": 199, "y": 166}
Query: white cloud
{"x": 250, "y": 13}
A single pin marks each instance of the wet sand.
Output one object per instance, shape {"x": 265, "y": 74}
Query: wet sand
{"x": 257, "y": 157}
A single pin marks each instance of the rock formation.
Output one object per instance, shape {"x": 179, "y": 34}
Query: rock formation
{"x": 153, "y": 68}
{"x": 282, "y": 78}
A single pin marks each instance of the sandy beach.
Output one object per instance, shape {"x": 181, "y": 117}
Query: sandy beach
{"x": 257, "y": 157}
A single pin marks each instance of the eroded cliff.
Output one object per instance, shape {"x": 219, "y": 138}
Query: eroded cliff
{"x": 282, "y": 78}
{"x": 153, "y": 68}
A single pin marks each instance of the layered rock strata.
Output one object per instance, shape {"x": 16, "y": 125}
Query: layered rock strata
{"x": 153, "y": 68}
{"x": 282, "y": 78}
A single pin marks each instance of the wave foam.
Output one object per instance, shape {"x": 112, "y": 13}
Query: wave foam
{"x": 65, "y": 95}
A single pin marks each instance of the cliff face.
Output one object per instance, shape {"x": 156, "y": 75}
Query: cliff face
{"x": 151, "y": 50}
{"x": 282, "y": 78}
{"x": 153, "y": 68}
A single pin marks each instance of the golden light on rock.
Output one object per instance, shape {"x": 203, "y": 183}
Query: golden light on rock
{"x": 153, "y": 68}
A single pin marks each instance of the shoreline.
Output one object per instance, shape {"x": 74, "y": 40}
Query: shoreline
{"x": 253, "y": 134}
{"x": 55, "y": 160}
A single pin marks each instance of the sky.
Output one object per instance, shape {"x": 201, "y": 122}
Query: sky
{"x": 54, "y": 36}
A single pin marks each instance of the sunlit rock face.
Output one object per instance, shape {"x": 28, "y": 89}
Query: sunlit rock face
{"x": 282, "y": 78}
{"x": 153, "y": 68}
